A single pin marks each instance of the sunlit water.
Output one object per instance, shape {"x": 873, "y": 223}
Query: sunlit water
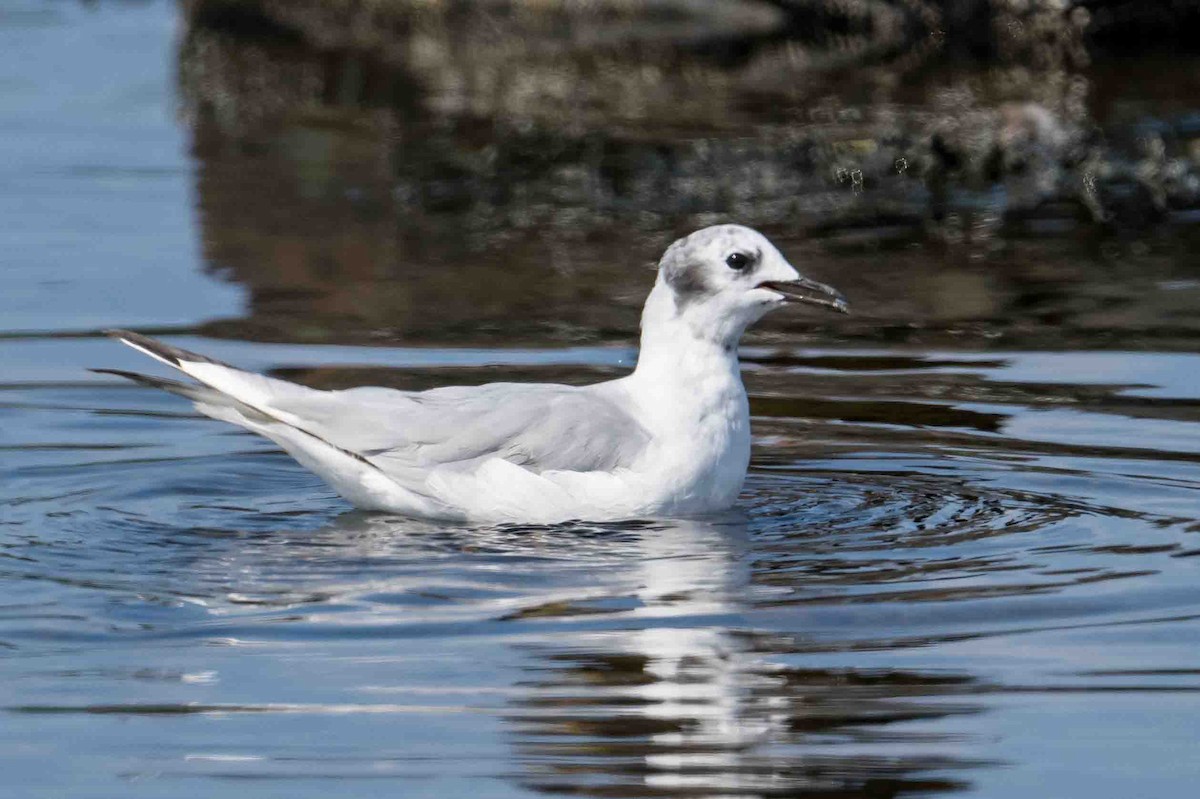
{"x": 950, "y": 572}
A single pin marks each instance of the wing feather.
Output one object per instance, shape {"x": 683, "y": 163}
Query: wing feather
{"x": 540, "y": 427}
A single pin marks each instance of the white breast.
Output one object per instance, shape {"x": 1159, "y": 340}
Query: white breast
{"x": 695, "y": 408}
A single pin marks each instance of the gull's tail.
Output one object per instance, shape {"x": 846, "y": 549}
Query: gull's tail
{"x": 251, "y": 401}
{"x": 196, "y": 393}
{"x": 252, "y": 391}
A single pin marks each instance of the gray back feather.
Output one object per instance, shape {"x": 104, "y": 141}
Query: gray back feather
{"x": 538, "y": 426}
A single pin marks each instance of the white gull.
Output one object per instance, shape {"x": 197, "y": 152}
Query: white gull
{"x": 672, "y": 438}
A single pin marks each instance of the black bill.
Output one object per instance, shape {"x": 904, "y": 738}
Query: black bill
{"x": 809, "y": 291}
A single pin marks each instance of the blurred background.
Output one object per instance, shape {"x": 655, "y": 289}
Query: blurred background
{"x": 982, "y": 173}
{"x": 965, "y": 559}
{"x": 986, "y": 173}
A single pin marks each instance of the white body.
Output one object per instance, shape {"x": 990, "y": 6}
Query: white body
{"x": 688, "y": 395}
{"x": 670, "y": 439}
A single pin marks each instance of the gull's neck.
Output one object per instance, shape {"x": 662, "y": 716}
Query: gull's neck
{"x": 683, "y": 343}
{"x": 687, "y": 367}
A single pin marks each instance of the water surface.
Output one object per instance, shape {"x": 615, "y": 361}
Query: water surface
{"x": 957, "y": 569}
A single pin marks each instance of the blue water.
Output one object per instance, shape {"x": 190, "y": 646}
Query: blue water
{"x": 952, "y": 572}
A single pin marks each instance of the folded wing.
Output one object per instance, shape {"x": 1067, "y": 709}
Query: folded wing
{"x": 407, "y": 435}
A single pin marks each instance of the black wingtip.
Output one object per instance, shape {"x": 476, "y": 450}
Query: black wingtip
{"x": 159, "y": 349}
{"x": 171, "y": 355}
{"x": 121, "y": 334}
{"x": 136, "y": 377}
{"x": 116, "y": 372}
{"x": 193, "y": 392}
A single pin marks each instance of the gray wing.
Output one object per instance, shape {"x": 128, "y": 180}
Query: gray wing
{"x": 538, "y": 426}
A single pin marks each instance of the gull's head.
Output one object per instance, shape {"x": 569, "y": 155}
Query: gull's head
{"x": 724, "y": 278}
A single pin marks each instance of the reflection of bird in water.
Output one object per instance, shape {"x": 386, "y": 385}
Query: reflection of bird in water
{"x": 669, "y": 706}
{"x": 673, "y": 437}
{"x": 699, "y": 673}
{"x": 686, "y": 698}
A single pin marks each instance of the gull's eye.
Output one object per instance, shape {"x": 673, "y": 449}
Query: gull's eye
{"x": 738, "y": 261}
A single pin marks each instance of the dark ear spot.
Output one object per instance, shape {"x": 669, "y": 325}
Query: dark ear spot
{"x": 686, "y": 278}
